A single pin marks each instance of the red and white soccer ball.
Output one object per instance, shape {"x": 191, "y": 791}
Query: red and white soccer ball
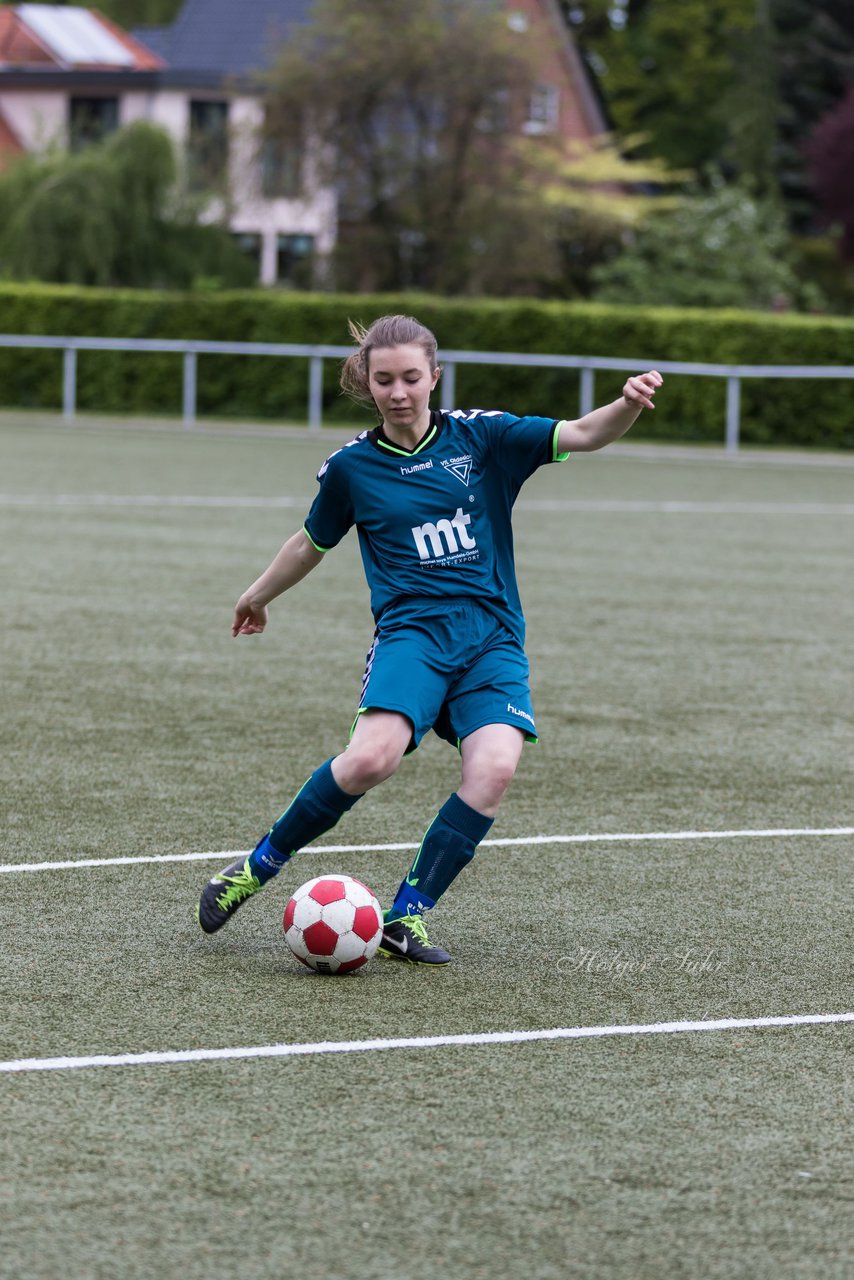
{"x": 333, "y": 924}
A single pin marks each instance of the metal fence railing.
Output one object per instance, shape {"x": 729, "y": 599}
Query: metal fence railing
{"x": 317, "y": 353}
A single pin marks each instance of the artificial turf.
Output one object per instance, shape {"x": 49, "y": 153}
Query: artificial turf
{"x": 692, "y": 672}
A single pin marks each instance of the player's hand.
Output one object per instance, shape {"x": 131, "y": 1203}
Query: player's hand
{"x": 249, "y": 619}
{"x": 640, "y": 389}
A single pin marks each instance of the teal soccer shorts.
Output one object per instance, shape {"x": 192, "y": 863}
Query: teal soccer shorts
{"x": 448, "y": 665}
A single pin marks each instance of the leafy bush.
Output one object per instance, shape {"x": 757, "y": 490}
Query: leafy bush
{"x": 818, "y": 263}
{"x": 723, "y": 249}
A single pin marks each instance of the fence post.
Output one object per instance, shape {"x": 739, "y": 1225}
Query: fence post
{"x": 191, "y": 361}
{"x": 69, "y": 383}
{"x": 315, "y": 392}
{"x": 733, "y": 413}
{"x": 586, "y": 391}
{"x": 448, "y": 386}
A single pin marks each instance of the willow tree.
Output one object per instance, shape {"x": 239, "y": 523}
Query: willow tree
{"x": 109, "y": 215}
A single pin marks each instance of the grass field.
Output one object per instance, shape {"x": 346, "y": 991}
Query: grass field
{"x": 689, "y": 622}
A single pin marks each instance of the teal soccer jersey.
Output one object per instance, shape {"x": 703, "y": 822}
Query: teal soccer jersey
{"x": 435, "y": 524}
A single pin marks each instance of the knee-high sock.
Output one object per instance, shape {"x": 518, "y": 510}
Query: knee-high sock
{"x": 315, "y": 809}
{"x": 448, "y": 846}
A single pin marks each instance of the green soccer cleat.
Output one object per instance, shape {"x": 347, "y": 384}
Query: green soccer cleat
{"x": 223, "y": 894}
{"x": 407, "y": 939}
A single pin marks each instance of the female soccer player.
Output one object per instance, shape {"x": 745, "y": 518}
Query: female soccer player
{"x": 431, "y": 495}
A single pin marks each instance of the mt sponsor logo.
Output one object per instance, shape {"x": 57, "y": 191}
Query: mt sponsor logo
{"x": 446, "y": 541}
{"x": 460, "y": 468}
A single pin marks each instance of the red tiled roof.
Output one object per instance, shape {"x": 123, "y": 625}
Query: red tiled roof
{"x": 18, "y": 46}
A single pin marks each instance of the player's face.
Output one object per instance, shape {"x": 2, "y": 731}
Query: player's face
{"x": 401, "y": 380}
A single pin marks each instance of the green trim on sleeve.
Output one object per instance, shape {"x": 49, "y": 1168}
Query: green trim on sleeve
{"x": 558, "y": 457}
{"x": 322, "y": 550}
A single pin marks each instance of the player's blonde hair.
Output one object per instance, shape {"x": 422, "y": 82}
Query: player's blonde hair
{"x": 388, "y": 331}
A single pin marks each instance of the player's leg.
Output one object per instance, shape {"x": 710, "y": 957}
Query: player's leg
{"x": 378, "y": 743}
{"x": 488, "y": 715}
{"x": 374, "y": 752}
{"x": 490, "y": 756}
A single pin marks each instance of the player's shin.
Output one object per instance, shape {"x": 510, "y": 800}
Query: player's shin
{"x": 315, "y": 809}
{"x": 447, "y": 848}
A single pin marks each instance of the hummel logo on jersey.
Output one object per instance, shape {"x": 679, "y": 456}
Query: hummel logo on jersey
{"x": 417, "y": 466}
{"x": 445, "y": 538}
{"x": 459, "y": 467}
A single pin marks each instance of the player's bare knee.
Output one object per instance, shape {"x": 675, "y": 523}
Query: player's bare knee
{"x": 368, "y": 764}
{"x": 496, "y": 786}
{"x": 488, "y": 780}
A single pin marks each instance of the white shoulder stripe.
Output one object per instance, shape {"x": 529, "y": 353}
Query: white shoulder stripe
{"x": 475, "y": 412}
{"x": 322, "y": 472}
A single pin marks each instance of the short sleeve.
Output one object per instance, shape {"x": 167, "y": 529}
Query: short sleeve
{"x": 522, "y": 445}
{"x": 331, "y": 513}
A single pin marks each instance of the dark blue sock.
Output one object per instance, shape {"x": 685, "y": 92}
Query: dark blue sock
{"x": 448, "y": 846}
{"x": 315, "y": 809}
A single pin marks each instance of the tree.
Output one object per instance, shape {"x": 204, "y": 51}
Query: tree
{"x": 831, "y": 163}
{"x": 594, "y": 192}
{"x": 409, "y": 110}
{"x": 815, "y": 66}
{"x": 673, "y": 71}
{"x": 733, "y": 85}
{"x": 720, "y": 249}
{"x": 137, "y": 13}
{"x": 107, "y": 215}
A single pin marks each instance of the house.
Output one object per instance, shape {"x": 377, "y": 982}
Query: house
{"x": 63, "y": 74}
{"x": 68, "y": 76}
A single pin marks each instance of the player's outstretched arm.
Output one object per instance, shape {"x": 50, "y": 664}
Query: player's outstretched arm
{"x": 296, "y": 559}
{"x": 607, "y": 424}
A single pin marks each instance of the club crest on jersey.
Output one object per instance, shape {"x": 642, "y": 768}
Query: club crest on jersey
{"x": 459, "y": 467}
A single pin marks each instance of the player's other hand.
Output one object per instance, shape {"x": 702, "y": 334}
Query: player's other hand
{"x": 249, "y": 619}
{"x": 640, "y": 389}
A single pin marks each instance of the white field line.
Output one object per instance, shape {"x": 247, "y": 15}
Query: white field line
{"x": 229, "y": 855}
{"x": 526, "y": 504}
{"x": 411, "y": 1042}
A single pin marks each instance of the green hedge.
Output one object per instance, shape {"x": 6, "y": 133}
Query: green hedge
{"x": 773, "y": 412}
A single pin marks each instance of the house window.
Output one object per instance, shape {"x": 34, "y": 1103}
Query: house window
{"x": 91, "y": 119}
{"x": 543, "y": 109}
{"x": 281, "y": 169}
{"x": 207, "y": 153}
{"x": 295, "y": 260}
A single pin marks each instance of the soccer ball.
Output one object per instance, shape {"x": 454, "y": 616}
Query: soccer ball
{"x": 333, "y": 924}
